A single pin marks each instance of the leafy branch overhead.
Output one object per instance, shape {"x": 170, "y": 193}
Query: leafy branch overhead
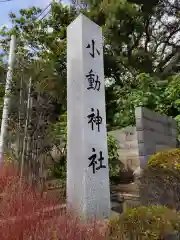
{"x": 143, "y": 36}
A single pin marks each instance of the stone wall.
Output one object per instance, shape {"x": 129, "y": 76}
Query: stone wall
{"x": 153, "y": 133}
{"x": 128, "y": 146}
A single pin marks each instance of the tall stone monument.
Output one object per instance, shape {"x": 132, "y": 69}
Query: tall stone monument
{"x": 87, "y": 155}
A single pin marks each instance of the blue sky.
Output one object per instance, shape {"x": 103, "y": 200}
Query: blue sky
{"x": 15, "y": 5}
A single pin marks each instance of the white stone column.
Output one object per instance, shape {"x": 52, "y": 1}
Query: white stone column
{"x": 87, "y": 155}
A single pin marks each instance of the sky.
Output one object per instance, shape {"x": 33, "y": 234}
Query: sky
{"x": 15, "y": 5}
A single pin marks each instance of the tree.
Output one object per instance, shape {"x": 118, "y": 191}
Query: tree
{"x": 133, "y": 45}
{"x": 148, "y": 93}
{"x": 41, "y": 58}
{"x": 49, "y": 43}
{"x": 140, "y": 37}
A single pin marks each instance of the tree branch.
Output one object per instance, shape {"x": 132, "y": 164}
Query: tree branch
{"x": 172, "y": 63}
{"x": 131, "y": 48}
{"x": 167, "y": 59}
{"x": 147, "y": 34}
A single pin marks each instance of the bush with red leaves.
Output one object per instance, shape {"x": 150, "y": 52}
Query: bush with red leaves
{"x": 27, "y": 215}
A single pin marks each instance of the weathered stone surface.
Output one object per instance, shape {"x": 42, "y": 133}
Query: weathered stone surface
{"x": 87, "y": 156}
{"x": 128, "y": 146}
{"x": 155, "y": 132}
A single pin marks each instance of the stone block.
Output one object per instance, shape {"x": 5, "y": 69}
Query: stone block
{"x": 147, "y": 148}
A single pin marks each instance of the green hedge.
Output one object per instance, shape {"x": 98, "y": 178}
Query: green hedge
{"x": 166, "y": 160}
{"x": 160, "y": 182}
{"x": 145, "y": 223}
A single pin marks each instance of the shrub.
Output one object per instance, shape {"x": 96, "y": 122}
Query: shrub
{"x": 160, "y": 182}
{"x": 165, "y": 162}
{"x": 153, "y": 222}
{"x": 113, "y": 157}
{"x": 26, "y": 214}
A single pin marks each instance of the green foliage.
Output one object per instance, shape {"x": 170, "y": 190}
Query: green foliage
{"x": 167, "y": 161}
{"x": 58, "y": 136}
{"x": 59, "y": 170}
{"x": 159, "y": 183}
{"x": 132, "y": 68}
{"x": 172, "y": 93}
{"x": 152, "y": 222}
{"x": 134, "y": 46}
{"x": 127, "y": 25}
{"x": 59, "y": 130}
{"x": 150, "y": 92}
{"x": 147, "y": 93}
{"x": 171, "y": 99}
{"x": 42, "y": 41}
{"x": 113, "y": 157}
